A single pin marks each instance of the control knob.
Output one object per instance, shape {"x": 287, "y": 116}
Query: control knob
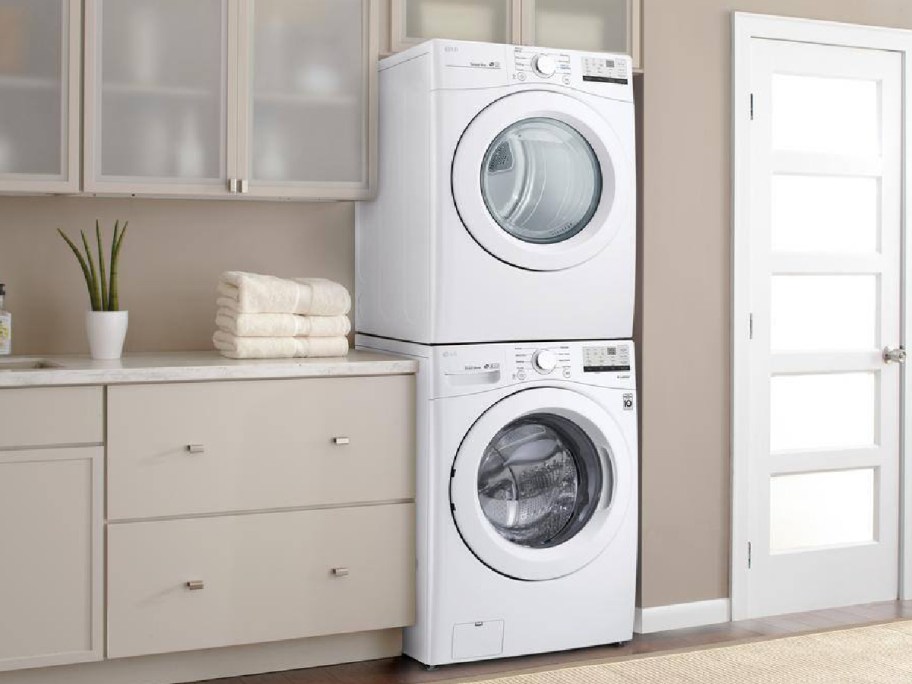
{"x": 544, "y": 361}
{"x": 544, "y": 65}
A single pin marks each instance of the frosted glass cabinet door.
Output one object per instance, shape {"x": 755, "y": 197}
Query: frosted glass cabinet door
{"x": 490, "y": 21}
{"x": 591, "y": 25}
{"x": 40, "y": 44}
{"x": 157, "y": 96}
{"x": 309, "y": 88}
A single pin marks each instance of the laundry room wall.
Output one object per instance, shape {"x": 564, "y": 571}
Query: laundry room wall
{"x": 172, "y": 257}
{"x": 684, "y": 321}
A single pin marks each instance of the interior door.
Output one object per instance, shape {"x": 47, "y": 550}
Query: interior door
{"x": 824, "y": 277}
{"x": 541, "y": 484}
{"x": 542, "y": 181}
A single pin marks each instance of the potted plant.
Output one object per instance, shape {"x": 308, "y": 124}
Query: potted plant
{"x": 106, "y": 324}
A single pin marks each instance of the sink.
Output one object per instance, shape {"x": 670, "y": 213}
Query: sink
{"x": 26, "y": 364}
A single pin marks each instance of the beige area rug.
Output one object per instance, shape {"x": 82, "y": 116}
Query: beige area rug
{"x": 879, "y": 654}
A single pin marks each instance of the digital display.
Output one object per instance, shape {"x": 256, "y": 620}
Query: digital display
{"x": 606, "y": 359}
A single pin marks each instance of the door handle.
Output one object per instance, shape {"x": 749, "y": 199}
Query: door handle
{"x": 895, "y": 355}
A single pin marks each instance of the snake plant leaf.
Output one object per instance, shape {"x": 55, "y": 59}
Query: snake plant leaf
{"x": 115, "y": 267}
{"x": 102, "y": 276}
{"x": 95, "y": 294}
{"x": 82, "y": 264}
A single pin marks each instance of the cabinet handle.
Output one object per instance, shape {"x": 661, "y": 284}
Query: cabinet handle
{"x": 195, "y": 585}
{"x": 232, "y": 185}
{"x": 244, "y": 186}
{"x": 196, "y": 448}
{"x": 340, "y": 572}
{"x": 341, "y": 441}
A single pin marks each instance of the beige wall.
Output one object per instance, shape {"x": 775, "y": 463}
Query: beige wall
{"x": 686, "y": 277}
{"x": 171, "y": 260}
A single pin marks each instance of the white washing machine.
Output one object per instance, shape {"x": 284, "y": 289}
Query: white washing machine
{"x": 506, "y": 205}
{"x": 526, "y": 497}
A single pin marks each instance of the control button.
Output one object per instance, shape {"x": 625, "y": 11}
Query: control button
{"x": 544, "y": 361}
{"x": 566, "y": 80}
{"x": 544, "y": 65}
{"x": 520, "y": 77}
{"x": 567, "y": 373}
{"x": 521, "y": 375}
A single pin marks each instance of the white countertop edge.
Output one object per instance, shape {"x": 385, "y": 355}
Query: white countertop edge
{"x": 197, "y": 367}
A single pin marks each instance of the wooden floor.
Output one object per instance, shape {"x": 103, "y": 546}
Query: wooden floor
{"x": 406, "y": 671}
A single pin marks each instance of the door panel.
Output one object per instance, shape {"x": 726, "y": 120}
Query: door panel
{"x": 823, "y": 461}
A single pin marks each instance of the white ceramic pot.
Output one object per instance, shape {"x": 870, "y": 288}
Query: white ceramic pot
{"x": 107, "y": 331}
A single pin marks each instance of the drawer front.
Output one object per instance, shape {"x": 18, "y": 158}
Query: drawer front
{"x": 222, "y": 447}
{"x": 261, "y": 577}
{"x": 48, "y": 416}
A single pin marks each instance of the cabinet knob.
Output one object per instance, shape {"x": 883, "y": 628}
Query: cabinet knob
{"x": 232, "y": 185}
{"x": 195, "y": 585}
{"x": 340, "y": 572}
{"x": 196, "y": 448}
{"x": 341, "y": 441}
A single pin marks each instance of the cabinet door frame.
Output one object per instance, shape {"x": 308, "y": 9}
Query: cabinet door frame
{"x": 314, "y": 190}
{"x": 399, "y": 41}
{"x": 634, "y": 8}
{"x": 94, "y": 454}
{"x": 93, "y": 182}
{"x": 71, "y": 84}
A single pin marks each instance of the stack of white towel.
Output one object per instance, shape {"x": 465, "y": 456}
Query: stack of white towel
{"x": 264, "y": 317}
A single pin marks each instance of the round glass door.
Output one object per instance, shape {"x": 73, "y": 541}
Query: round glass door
{"x": 541, "y": 181}
{"x": 539, "y": 481}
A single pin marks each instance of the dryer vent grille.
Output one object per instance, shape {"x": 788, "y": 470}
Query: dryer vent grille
{"x": 502, "y": 159}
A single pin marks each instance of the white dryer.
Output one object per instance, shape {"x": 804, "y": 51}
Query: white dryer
{"x": 506, "y": 205}
{"x": 526, "y": 497}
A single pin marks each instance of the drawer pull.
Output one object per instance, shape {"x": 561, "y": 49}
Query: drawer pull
{"x": 195, "y": 585}
{"x": 196, "y": 448}
{"x": 340, "y": 572}
{"x": 341, "y": 441}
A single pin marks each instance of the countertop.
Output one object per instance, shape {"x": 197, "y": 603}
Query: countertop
{"x": 189, "y": 367}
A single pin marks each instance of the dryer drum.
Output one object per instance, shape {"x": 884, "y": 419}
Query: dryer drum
{"x": 540, "y": 480}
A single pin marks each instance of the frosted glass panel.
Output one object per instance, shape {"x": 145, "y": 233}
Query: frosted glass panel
{"x": 485, "y": 20}
{"x": 822, "y": 411}
{"x": 309, "y": 109}
{"x": 163, "y": 89}
{"x": 823, "y": 312}
{"x": 598, "y": 25}
{"x": 825, "y": 214}
{"x": 826, "y": 115}
{"x": 830, "y": 508}
{"x": 32, "y": 112}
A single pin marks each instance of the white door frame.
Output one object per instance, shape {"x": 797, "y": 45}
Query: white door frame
{"x": 747, "y": 27}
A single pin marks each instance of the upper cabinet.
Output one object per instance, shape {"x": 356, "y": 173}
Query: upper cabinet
{"x": 592, "y": 25}
{"x": 157, "y": 97}
{"x": 40, "y": 45}
{"x": 253, "y": 98}
{"x": 491, "y": 21}
{"x": 307, "y": 98}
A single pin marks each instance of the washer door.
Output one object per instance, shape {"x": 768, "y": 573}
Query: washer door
{"x": 541, "y": 181}
{"x": 541, "y": 483}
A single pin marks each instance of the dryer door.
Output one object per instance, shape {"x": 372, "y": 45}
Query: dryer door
{"x": 541, "y": 484}
{"x": 541, "y": 180}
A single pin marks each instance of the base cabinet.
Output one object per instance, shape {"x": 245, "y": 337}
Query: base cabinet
{"x": 176, "y": 585}
{"x": 51, "y": 548}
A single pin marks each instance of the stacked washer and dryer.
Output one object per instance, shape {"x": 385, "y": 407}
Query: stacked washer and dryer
{"x": 500, "y": 253}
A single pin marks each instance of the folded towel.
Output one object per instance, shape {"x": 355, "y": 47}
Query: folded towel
{"x": 278, "y": 347}
{"x": 281, "y": 325}
{"x": 254, "y": 293}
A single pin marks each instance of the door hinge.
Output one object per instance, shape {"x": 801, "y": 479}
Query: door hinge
{"x": 751, "y": 326}
{"x": 752, "y": 106}
{"x": 749, "y": 555}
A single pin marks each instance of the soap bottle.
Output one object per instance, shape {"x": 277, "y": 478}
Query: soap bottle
{"x": 6, "y": 326}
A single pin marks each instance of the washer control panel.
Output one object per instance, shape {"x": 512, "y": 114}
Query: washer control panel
{"x": 606, "y": 70}
{"x": 606, "y": 358}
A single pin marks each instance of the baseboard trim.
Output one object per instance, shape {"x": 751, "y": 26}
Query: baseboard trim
{"x": 681, "y": 616}
{"x": 216, "y": 663}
